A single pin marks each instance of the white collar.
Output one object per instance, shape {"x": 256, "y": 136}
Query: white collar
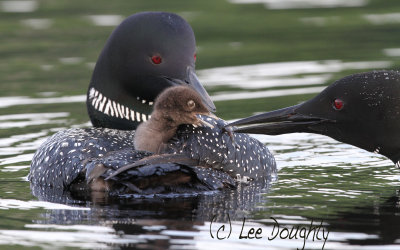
{"x": 109, "y": 107}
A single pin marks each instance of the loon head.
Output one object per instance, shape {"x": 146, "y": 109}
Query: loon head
{"x": 361, "y": 109}
{"x": 145, "y": 54}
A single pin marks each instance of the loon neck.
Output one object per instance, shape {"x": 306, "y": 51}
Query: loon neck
{"x": 109, "y": 105}
{"x": 110, "y": 113}
{"x": 394, "y": 157}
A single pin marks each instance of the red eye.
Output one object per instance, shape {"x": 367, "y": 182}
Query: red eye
{"x": 156, "y": 59}
{"x": 195, "y": 56}
{"x": 338, "y": 104}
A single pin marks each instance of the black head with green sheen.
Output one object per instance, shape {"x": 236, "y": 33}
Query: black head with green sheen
{"x": 361, "y": 109}
{"x": 145, "y": 54}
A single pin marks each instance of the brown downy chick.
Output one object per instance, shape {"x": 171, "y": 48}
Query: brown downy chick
{"x": 173, "y": 107}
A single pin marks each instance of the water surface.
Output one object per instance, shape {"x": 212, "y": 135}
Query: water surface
{"x": 251, "y": 57}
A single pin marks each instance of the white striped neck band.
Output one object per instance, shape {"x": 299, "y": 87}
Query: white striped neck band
{"x": 112, "y": 108}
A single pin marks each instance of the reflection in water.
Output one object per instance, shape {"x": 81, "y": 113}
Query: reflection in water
{"x": 269, "y": 75}
{"x": 336, "y": 177}
{"x": 200, "y": 207}
{"x": 38, "y": 23}
{"x": 319, "y": 180}
{"x": 47, "y": 239}
{"x": 15, "y": 146}
{"x": 262, "y": 82}
{"x": 6, "y": 102}
{"x": 224, "y": 96}
{"x": 303, "y": 4}
{"x": 13, "y": 203}
{"x": 320, "y": 21}
{"x": 392, "y": 51}
{"x": 105, "y": 20}
{"x": 380, "y": 19}
{"x": 382, "y": 221}
{"x": 30, "y": 119}
{"x": 355, "y": 193}
{"x": 142, "y": 221}
{"x": 18, "y": 6}
{"x": 70, "y": 60}
{"x": 260, "y": 76}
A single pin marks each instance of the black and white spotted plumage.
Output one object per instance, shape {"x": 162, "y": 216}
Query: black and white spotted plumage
{"x": 64, "y": 156}
{"x": 240, "y": 156}
{"x": 70, "y": 156}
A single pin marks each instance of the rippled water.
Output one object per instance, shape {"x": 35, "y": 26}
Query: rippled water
{"x": 352, "y": 192}
{"x": 323, "y": 184}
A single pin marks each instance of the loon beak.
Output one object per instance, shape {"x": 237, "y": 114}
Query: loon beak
{"x": 281, "y": 121}
{"x": 193, "y": 82}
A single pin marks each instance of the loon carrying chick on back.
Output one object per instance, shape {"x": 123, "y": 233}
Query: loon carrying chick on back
{"x": 181, "y": 105}
{"x": 147, "y": 53}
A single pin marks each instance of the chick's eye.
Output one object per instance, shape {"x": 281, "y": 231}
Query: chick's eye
{"x": 156, "y": 59}
{"x": 191, "y": 104}
{"x": 338, "y": 104}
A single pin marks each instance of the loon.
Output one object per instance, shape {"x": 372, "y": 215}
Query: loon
{"x": 146, "y": 54}
{"x": 361, "y": 109}
{"x": 181, "y": 105}
{"x": 197, "y": 158}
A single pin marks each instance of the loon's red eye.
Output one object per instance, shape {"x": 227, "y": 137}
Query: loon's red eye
{"x": 195, "y": 56}
{"x": 156, "y": 59}
{"x": 338, "y": 104}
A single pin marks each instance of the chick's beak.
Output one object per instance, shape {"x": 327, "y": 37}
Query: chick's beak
{"x": 206, "y": 124}
{"x": 200, "y": 122}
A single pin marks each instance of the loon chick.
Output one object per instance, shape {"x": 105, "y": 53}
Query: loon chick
{"x": 173, "y": 107}
{"x": 361, "y": 109}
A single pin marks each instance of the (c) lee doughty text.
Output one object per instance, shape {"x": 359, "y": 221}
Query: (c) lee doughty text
{"x": 314, "y": 232}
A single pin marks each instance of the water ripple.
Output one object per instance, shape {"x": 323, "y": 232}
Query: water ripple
{"x": 18, "y": 6}
{"x": 303, "y": 4}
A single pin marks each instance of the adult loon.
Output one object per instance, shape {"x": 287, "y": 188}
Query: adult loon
{"x": 146, "y": 54}
{"x": 361, "y": 109}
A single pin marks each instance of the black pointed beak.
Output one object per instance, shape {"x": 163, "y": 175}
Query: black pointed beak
{"x": 193, "y": 82}
{"x": 281, "y": 121}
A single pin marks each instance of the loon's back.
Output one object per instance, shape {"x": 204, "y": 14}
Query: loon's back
{"x": 64, "y": 156}
{"x": 69, "y": 158}
{"x": 240, "y": 155}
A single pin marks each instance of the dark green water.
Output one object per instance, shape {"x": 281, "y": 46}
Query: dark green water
{"x": 251, "y": 58}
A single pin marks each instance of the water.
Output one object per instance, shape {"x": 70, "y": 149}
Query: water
{"x": 251, "y": 57}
